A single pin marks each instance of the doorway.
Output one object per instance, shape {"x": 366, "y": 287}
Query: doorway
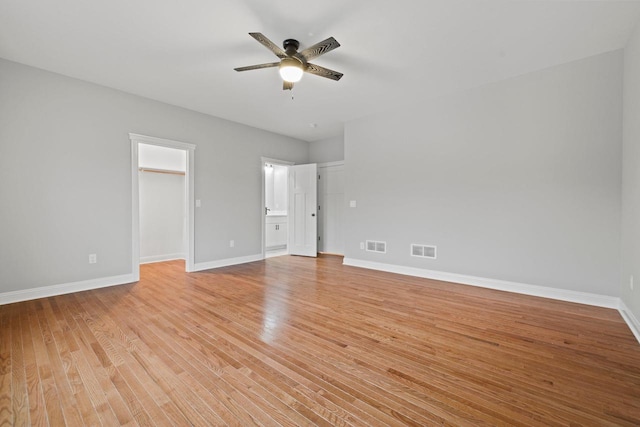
{"x": 161, "y": 180}
{"x": 331, "y": 205}
{"x": 275, "y": 194}
{"x": 298, "y": 223}
{"x": 188, "y": 152}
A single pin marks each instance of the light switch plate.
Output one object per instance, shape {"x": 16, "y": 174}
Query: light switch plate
{"x": 352, "y": 203}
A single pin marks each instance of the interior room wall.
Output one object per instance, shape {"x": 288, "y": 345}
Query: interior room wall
{"x": 65, "y": 177}
{"x": 327, "y": 150}
{"x": 631, "y": 177}
{"x": 517, "y": 181}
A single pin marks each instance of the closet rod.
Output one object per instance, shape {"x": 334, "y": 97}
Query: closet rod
{"x": 154, "y": 170}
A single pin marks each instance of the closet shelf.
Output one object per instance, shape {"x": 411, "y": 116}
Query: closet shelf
{"x": 154, "y": 170}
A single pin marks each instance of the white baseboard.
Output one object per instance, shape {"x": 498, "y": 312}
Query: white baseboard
{"x": 103, "y": 282}
{"x": 226, "y": 262}
{"x": 521, "y": 288}
{"x": 161, "y": 258}
{"x": 632, "y": 321}
{"x": 65, "y": 288}
{"x": 501, "y": 285}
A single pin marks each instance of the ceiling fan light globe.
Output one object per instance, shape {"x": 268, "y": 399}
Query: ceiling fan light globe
{"x": 291, "y": 70}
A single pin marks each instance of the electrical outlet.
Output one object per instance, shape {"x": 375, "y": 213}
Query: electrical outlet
{"x": 198, "y": 203}
{"x": 361, "y": 245}
{"x": 232, "y": 243}
{"x": 631, "y": 282}
{"x": 93, "y": 258}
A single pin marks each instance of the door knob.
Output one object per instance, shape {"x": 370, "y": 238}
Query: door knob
{"x": 313, "y": 214}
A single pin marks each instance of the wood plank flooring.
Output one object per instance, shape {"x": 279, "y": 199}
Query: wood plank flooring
{"x": 294, "y": 341}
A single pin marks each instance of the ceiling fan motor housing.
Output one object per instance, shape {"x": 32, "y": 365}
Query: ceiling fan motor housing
{"x": 290, "y": 46}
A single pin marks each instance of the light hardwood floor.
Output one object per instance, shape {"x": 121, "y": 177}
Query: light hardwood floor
{"x": 297, "y": 341}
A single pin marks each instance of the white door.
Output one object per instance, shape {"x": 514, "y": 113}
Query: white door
{"x": 303, "y": 204}
{"x": 331, "y": 208}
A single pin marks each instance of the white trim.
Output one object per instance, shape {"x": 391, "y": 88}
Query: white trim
{"x": 227, "y": 262}
{"x": 632, "y": 321}
{"x": 160, "y": 258}
{"x": 65, "y": 288}
{"x": 540, "y": 291}
{"x": 135, "y": 211}
{"x": 191, "y": 211}
{"x": 152, "y": 140}
{"x": 276, "y": 162}
{"x": 502, "y": 285}
{"x": 597, "y": 300}
{"x": 331, "y": 164}
{"x": 135, "y": 198}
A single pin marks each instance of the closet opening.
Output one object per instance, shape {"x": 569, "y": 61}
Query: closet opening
{"x": 161, "y": 180}
{"x": 162, "y": 201}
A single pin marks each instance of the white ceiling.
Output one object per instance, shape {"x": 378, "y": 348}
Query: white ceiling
{"x": 393, "y": 52}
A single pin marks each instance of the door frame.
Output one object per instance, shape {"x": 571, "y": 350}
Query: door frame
{"x": 135, "y": 198}
{"x": 263, "y": 215}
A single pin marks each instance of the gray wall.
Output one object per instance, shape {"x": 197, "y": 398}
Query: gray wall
{"x": 631, "y": 176}
{"x": 518, "y": 180}
{"x": 327, "y": 150}
{"x": 65, "y": 177}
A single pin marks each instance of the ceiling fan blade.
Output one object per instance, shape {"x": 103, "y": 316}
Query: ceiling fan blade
{"x": 257, "y": 67}
{"x": 323, "y": 72}
{"x": 269, "y": 45}
{"x": 287, "y": 85}
{"x": 320, "y": 48}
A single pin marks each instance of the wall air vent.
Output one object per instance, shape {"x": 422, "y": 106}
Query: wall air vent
{"x": 423, "y": 251}
{"x": 373, "y": 246}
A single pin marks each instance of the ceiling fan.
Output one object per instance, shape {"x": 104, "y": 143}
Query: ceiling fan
{"x": 292, "y": 63}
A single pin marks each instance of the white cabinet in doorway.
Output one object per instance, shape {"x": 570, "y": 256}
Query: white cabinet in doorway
{"x": 276, "y": 232}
